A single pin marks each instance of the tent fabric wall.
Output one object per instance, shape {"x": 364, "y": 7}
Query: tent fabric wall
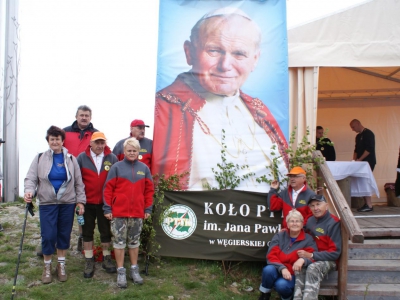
{"x": 303, "y": 96}
{"x": 366, "y": 38}
{"x": 366, "y": 35}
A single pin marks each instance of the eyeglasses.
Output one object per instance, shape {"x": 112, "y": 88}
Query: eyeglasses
{"x": 295, "y": 221}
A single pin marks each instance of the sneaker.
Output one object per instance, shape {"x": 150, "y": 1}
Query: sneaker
{"x": 365, "y": 208}
{"x": 135, "y": 275}
{"x": 121, "y": 278}
{"x": 46, "y": 275}
{"x": 61, "y": 273}
{"x": 109, "y": 264}
{"x": 89, "y": 268}
{"x": 80, "y": 244}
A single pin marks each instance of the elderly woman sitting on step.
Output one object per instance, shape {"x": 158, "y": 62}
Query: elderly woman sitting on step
{"x": 282, "y": 258}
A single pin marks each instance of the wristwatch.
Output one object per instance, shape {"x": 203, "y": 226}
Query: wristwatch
{"x": 312, "y": 255}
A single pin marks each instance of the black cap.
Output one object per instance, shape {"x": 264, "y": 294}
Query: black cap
{"x": 1, "y": 141}
{"x": 319, "y": 198}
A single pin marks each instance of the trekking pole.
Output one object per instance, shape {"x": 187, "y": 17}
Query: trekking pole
{"x": 29, "y": 207}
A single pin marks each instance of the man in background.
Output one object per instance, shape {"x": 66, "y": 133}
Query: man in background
{"x": 138, "y": 129}
{"x": 325, "y": 145}
{"x": 364, "y": 151}
{"x": 77, "y": 138}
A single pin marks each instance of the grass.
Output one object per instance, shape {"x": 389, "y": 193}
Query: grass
{"x": 169, "y": 278}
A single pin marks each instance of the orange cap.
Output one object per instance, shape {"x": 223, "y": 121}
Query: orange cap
{"x": 296, "y": 171}
{"x": 98, "y": 136}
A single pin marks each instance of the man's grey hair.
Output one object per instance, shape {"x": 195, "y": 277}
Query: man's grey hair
{"x": 84, "y": 108}
{"x": 225, "y": 13}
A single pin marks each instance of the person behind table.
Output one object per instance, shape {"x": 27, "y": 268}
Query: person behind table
{"x": 323, "y": 145}
{"x": 296, "y": 195}
{"x": 56, "y": 177}
{"x": 364, "y": 151}
{"x": 191, "y": 113}
{"x": 95, "y": 163}
{"x": 325, "y": 229}
{"x": 77, "y": 138}
{"x": 138, "y": 129}
{"x": 128, "y": 198}
{"x": 282, "y": 259}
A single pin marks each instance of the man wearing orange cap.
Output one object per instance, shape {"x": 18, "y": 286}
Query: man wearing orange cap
{"x": 95, "y": 162}
{"x": 295, "y": 196}
{"x": 146, "y": 145}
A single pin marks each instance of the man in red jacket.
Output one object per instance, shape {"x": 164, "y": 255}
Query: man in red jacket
{"x": 95, "y": 163}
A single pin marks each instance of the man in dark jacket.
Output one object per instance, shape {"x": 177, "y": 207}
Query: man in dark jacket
{"x": 325, "y": 229}
{"x": 95, "y": 163}
{"x": 325, "y": 145}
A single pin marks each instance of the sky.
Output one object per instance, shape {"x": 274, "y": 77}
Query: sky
{"x": 102, "y": 53}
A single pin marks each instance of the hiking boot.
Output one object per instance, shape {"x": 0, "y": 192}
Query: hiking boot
{"x": 135, "y": 275}
{"x": 79, "y": 247}
{"x": 61, "y": 273}
{"x": 46, "y": 275}
{"x": 365, "y": 208}
{"x": 108, "y": 264}
{"x": 89, "y": 268}
{"x": 39, "y": 251}
{"x": 121, "y": 278}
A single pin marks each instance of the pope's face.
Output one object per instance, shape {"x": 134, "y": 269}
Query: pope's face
{"x": 224, "y": 54}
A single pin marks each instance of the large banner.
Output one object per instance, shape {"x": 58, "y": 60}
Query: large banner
{"x": 222, "y": 84}
{"x": 217, "y": 225}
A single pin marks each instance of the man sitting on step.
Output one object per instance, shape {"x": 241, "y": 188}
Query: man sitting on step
{"x": 325, "y": 229}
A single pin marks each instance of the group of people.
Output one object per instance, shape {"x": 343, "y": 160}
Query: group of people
{"x": 307, "y": 248}
{"x": 79, "y": 174}
{"x": 364, "y": 151}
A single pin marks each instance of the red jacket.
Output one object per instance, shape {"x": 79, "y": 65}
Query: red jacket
{"x": 282, "y": 253}
{"x": 174, "y": 116}
{"x": 76, "y": 140}
{"x": 93, "y": 181}
{"x": 283, "y": 201}
{"x": 128, "y": 191}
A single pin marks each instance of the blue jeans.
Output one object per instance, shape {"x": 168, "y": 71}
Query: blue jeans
{"x": 272, "y": 279}
{"x": 56, "y": 222}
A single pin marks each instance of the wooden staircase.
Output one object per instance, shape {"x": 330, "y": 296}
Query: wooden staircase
{"x": 370, "y": 264}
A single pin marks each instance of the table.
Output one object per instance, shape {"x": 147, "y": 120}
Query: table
{"x": 362, "y": 180}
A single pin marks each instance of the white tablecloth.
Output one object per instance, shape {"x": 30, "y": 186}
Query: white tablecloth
{"x": 362, "y": 180}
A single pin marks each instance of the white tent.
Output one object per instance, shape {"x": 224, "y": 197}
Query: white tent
{"x": 346, "y": 66}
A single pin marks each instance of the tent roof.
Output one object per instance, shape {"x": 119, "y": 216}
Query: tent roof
{"x": 367, "y": 35}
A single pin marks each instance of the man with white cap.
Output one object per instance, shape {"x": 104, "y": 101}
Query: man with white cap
{"x": 204, "y": 110}
{"x": 146, "y": 145}
{"x": 325, "y": 229}
{"x": 295, "y": 196}
{"x": 95, "y": 162}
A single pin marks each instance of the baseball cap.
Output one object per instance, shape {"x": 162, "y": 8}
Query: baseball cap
{"x": 137, "y": 122}
{"x": 296, "y": 171}
{"x": 319, "y": 198}
{"x": 98, "y": 136}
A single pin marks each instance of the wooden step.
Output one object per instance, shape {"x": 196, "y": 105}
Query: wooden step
{"x": 373, "y": 291}
{"x": 375, "y": 249}
{"x": 380, "y": 232}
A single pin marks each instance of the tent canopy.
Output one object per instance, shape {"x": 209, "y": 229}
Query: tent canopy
{"x": 345, "y": 66}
